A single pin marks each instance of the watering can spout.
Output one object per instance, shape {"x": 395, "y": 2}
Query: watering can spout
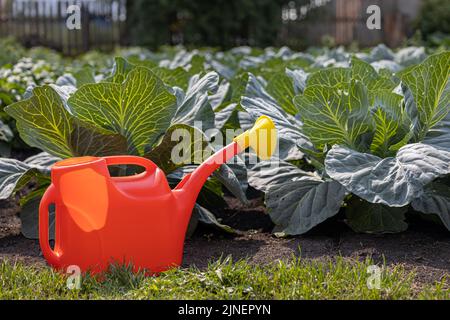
{"x": 261, "y": 138}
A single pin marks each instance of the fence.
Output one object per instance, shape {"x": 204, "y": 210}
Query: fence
{"x": 345, "y": 22}
{"x": 44, "y": 22}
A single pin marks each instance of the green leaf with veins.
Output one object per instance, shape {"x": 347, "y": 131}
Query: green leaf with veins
{"x": 140, "y": 108}
{"x": 393, "y": 181}
{"x": 385, "y": 131}
{"x": 428, "y": 84}
{"x": 391, "y": 124}
{"x": 334, "y": 116}
{"x": 268, "y": 174}
{"x": 330, "y": 77}
{"x": 120, "y": 70}
{"x": 195, "y": 107}
{"x": 86, "y": 139}
{"x": 360, "y": 70}
{"x": 44, "y": 122}
{"x": 281, "y": 87}
{"x": 177, "y": 77}
{"x": 298, "y": 206}
{"x": 365, "y": 73}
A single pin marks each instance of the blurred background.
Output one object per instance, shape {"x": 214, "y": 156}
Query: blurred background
{"x": 106, "y": 24}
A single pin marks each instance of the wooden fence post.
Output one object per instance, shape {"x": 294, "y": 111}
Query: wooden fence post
{"x": 85, "y": 23}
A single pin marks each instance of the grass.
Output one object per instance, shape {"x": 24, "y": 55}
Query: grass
{"x": 224, "y": 279}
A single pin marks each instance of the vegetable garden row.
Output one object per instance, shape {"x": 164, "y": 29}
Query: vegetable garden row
{"x": 365, "y": 135}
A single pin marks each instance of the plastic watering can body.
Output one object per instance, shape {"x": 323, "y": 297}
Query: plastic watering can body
{"x": 101, "y": 219}
{"x": 138, "y": 220}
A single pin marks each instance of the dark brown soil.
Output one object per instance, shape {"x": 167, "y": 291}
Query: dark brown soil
{"x": 424, "y": 248}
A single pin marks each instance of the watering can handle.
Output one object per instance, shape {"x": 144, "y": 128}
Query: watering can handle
{"x": 138, "y": 161}
{"x": 48, "y": 198}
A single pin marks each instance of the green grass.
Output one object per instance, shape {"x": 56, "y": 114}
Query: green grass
{"x": 224, "y": 279}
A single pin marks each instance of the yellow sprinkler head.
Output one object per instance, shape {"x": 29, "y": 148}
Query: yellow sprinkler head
{"x": 262, "y": 138}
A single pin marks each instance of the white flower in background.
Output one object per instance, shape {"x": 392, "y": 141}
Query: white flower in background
{"x": 25, "y": 73}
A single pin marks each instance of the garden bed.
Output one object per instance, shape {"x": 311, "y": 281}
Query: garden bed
{"x": 360, "y": 176}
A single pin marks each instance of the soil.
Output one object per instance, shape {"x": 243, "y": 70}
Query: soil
{"x": 424, "y": 248}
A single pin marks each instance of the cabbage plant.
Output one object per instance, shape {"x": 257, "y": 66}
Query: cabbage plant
{"x": 379, "y": 146}
{"x": 132, "y": 111}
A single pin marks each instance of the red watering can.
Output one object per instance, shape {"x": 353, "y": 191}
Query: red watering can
{"x": 137, "y": 219}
